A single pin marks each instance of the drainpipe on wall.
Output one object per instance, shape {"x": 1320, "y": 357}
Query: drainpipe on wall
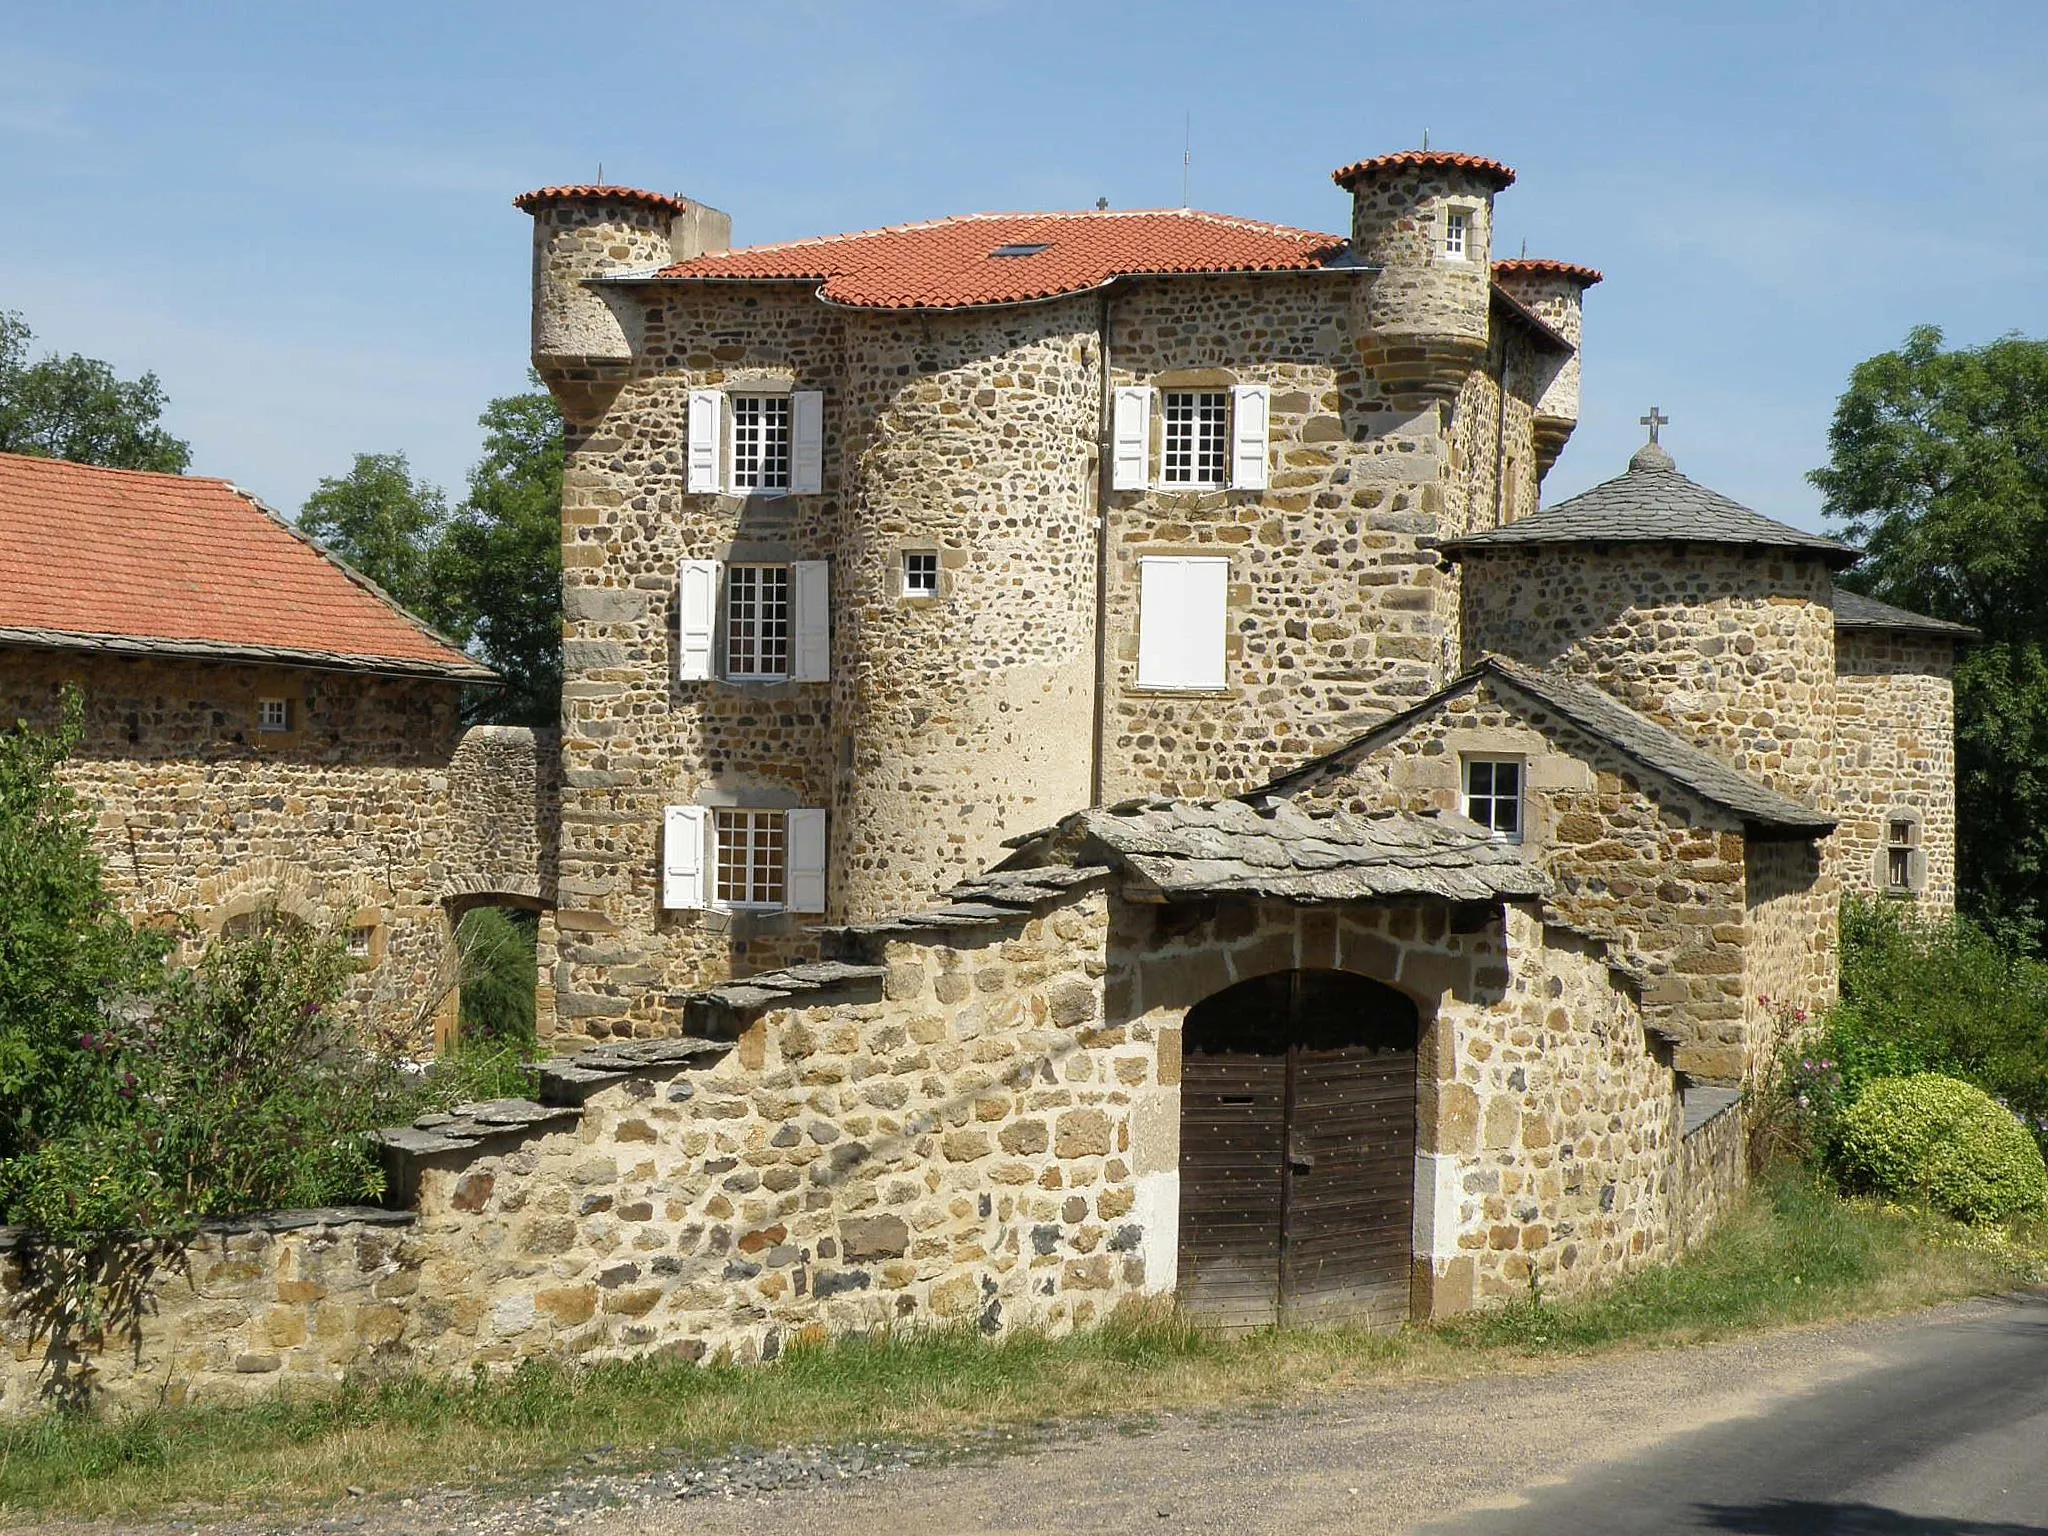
{"x": 1105, "y": 453}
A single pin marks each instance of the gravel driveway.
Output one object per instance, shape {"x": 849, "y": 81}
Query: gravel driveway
{"x": 1375, "y": 1459}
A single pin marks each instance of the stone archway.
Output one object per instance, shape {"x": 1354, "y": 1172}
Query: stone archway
{"x": 1297, "y": 1151}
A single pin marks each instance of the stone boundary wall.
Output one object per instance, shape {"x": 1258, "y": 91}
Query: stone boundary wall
{"x": 288, "y": 1299}
{"x": 1712, "y": 1174}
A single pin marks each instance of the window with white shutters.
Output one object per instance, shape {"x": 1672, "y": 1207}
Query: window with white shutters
{"x": 753, "y": 858}
{"x": 682, "y": 857}
{"x": 760, "y": 443}
{"x": 705, "y": 427}
{"x": 1131, "y": 450}
{"x": 1183, "y": 609}
{"x": 1197, "y": 447}
{"x": 696, "y": 619}
{"x": 757, "y": 621}
{"x": 1251, "y": 417}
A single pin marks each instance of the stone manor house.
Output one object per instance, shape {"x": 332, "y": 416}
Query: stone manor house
{"x": 1085, "y": 769}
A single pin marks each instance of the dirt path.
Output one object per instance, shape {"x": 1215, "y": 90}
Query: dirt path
{"x": 1369, "y": 1460}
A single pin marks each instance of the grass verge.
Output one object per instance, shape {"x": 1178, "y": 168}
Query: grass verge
{"x": 1794, "y": 1254}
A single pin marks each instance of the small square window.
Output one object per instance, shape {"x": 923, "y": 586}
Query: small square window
{"x": 920, "y": 574}
{"x": 1457, "y": 232}
{"x": 1899, "y": 843}
{"x": 360, "y": 939}
{"x": 1493, "y": 795}
{"x": 753, "y": 858}
{"x": 273, "y": 714}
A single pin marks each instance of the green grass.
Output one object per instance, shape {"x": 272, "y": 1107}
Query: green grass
{"x": 1795, "y": 1254}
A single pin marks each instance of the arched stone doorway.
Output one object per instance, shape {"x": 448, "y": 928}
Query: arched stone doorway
{"x": 1297, "y": 1151}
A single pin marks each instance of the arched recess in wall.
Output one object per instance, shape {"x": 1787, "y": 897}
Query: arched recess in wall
{"x": 492, "y": 961}
{"x": 1297, "y": 1150}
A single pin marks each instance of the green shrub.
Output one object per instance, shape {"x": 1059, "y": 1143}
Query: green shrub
{"x": 497, "y": 975}
{"x": 1933, "y": 1138}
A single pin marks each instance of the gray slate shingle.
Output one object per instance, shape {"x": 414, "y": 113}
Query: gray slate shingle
{"x": 1855, "y": 611}
{"x": 1653, "y": 503}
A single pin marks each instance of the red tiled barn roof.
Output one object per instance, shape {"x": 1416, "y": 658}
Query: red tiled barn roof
{"x": 118, "y": 559}
{"x": 1531, "y": 266}
{"x": 540, "y": 197}
{"x": 951, "y": 263}
{"x": 1502, "y": 176}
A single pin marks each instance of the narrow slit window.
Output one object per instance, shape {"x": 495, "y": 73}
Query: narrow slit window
{"x": 1899, "y": 843}
{"x": 753, "y": 858}
{"x": 757, "y": 621}
{"x": 760, "y": 442}
{"x": 1197, "y": 438}
{"x": 920, "y": 574}
{"x": 1493, "y": 795}
{"x": 1457, "y": 230}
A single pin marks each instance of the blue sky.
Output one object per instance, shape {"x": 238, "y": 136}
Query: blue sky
{"x": 299, "y": 214}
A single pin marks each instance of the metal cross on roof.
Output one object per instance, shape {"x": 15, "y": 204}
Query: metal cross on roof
{"x": 1653, "y": 421}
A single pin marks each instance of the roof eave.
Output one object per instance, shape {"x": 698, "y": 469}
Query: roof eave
{"x": 1838, "y": 556}
{"x": 1543, "y": 331}
{"x": 78, "y": 641}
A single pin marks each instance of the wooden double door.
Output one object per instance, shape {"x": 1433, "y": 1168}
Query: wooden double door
{"x": 1297, "y": 1152}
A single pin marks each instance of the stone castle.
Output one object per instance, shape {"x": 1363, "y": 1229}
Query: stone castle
{"x": 1085, "y": 770}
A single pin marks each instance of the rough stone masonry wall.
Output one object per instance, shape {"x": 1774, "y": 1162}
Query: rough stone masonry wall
{"x": 295, "y": 1299}
{"x": 339, "y": 822}
{"x": 1793, "y": 907}
{"x": 968, "y": 717}
{"x": 1338, "y": 610}
{"x": 1661, "y": 875}
{"x": 1895, "y": 750}
{"x": 1733, "y": 649}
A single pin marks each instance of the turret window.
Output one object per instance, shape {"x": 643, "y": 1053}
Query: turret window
{"x": 1493, "y": 795}
{"x": 1457, "y": 233}
{"x": 1905, "y": 863}
{"x": 1197, "y": 438}
{"x": 920, "y": 573}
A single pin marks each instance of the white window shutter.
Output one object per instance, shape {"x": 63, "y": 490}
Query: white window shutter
{"x": 1250, "y": 426}
{"x": 706, "y": 420}
{"x": 804, "y": 832}
{"x": 811, "y": 606}
{"x": 807, "y": 442}
{"x": 1182, "y": 610}
{"x": 682, "y": 857}
{"x": 1130, "y": 470}
{"x": 696, "y": 619}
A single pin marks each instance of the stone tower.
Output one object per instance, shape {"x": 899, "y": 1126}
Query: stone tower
{"x": 1424, "y": 220}
{"x": 1554, "y": 291}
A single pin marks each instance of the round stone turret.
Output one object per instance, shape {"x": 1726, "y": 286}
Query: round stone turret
{"x": 1555, "y": 292}
{"x": 584, "y": 232}
{"x": 1424, "y": 218}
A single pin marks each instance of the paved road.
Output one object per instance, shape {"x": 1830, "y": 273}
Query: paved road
{"x": 1933, "y": 1425}
{"x": 1945, "y": 1433}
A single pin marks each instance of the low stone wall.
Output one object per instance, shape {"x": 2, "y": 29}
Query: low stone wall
{"x": 293, "y": 1298}
{"x": 1712, "y": 1174}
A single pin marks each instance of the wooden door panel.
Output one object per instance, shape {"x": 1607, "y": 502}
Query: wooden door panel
{"x": 1350, "y": 1210}
{"x": 1232, "y": 1183}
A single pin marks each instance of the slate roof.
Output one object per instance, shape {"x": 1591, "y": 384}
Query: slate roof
{"x": 1855, "y": 611}
{"x": 1274, "y": 849}
{"x": 952, "y": 263}
{"x": 124, "y": 561}
{"x": 1629, "y": 732}
{"x": 1653, "y": 504}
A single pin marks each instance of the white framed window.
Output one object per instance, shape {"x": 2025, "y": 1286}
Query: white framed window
{"x": 1493, "y": 795}
{"x": 1183, "y": 611}
{"x": 757, "y": 621}
{"x": 920, "y": 573}
{"x": 743, "y": 858}
{"x": 1457, "y": 233}
{"x": 752, "y": 858}
{"x": 775, "y": 621}
{"x": 1197, "y": 446}
{"x": 1904, "y": 863}
{"x": 760, "y": 443}
{"x": 273, "y": 714}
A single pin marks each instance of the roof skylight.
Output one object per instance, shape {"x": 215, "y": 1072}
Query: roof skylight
{"x": 1022, "y": 250}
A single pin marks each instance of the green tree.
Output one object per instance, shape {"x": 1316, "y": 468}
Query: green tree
{"x": 1939, "y": 467}
{"x": 388, "y": 526}
{"x": 77, "y": 408}
{"x": 499, "y": 565}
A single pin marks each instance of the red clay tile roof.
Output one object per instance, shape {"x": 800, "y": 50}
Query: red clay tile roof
{"x": 540, "y": 197}
{"x": 951, "y": 263}
{"x": 1502, "y": 176}
{"x": 115, "y": 559}
{"x": 1531, "y": 266}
